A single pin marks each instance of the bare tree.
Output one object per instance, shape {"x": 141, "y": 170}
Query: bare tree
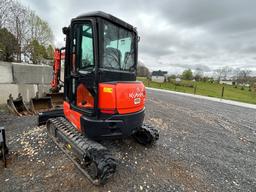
{"x": 235, "y": 74}
{"x": 218, "y": 73}
{"x": 244, "y": 76}
{"x": 223, "y": 73}
{"x": 142, "y": 70}
{"x": 39, "y": 29}
{"x": 226, "y": 72}
{"x": 198, "y": 74}
{"x": 25, "y": 25}
{"x": 19, "y": 25}
{"x": 4, "y": 12}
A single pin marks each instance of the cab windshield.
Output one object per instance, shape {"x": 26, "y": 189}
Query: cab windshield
{"x": 118, "y": 48}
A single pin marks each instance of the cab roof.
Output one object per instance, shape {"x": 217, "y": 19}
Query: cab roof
{"x": 106, "y": 16}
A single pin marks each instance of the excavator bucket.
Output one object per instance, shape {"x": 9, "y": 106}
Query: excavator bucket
{"x": 57, "y": 99}
{"x": 17, "y": 106}
{"x": 40, "y": 104}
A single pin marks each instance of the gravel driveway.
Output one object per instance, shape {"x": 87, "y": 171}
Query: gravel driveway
{"x": 204, "y": 146}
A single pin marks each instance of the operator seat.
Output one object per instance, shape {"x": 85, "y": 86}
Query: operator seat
{"x": 112, "y": 58}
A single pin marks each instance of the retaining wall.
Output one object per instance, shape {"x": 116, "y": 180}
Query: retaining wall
{"x": 23, "y": 78}
{"x": 6, "y": 72}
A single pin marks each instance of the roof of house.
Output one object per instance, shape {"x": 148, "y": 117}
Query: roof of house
{"x": 159, "y": 73}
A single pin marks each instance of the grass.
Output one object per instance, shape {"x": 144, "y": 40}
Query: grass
{"x": 206, "y": 89}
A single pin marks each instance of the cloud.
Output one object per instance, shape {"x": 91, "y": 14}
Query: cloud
{"x": 181, "y": 34}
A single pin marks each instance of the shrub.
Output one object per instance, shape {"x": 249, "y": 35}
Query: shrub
{"x": 188, "y": 85}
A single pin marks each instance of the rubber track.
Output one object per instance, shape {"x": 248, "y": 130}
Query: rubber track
{"x": 147, "y": 135}
{"x": 92, "y": 152}
{"x": 154, "y": 132}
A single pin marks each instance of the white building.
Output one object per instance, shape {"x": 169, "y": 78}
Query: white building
{"x": 158, "y": 76}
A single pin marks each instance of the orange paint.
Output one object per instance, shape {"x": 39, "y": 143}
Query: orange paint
{"x": 130, "y": 97}
{"x": 121, "y": 97}
{"x": 84, "y": 97}
{"x": 72, "y": 116}
{"x": 107, "y": 97}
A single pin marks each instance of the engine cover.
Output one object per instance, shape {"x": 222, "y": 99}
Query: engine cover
{"x": 121, "y": 97}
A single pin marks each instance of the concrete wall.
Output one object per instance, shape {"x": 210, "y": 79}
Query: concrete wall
{"x": 26, "y": 79}
{"x": 6, "y": 72}
{"x": 31, "y": 74}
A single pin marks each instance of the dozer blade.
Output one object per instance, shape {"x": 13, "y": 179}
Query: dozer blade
{"x": 17, "y": 106}
{"x": 43, "y": 117}
{"x": 90, "y": 157}
{"x": 40, "y": 104}
{"x": 57, "y": 99}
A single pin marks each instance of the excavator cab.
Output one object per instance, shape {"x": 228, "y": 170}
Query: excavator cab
{"x": 101, "y": 95}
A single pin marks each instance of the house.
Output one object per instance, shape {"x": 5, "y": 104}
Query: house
{"x": 227, "y": 82}
{"x": 178, "y": 79}
{"x": 159, "y": 76}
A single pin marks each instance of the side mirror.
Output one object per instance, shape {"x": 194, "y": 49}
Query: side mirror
{"x": 65, "y": 30}
{"x": 138, "y": 38}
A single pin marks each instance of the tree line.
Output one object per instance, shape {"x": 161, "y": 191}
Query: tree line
{"x": 24, "y": 36}
{"x": 237, "y": 75}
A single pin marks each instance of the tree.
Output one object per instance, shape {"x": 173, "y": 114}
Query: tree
{"x": 171, "y": 77}
{"x": 37, "y": 51}
{"x": 236, "y": 73}
{"x": 243, "y": 76}
{"x": 18, "y": 25}
{"x": 226, "y": 72}
{"x": 223, "y": 73}
{"x": 8, "y": 45}
{"x": 142, "y": 70}
{"x": 198, "y": 74}
{"x": 39, "y": 29}
{"x": 25, "y": 25}
{"x": 4, "y": 12}
{"x": 187, "y": 74}
{"x": 50, "y": 52}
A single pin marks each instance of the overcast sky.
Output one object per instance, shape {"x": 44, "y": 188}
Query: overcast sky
{"x": 175, "y": 34}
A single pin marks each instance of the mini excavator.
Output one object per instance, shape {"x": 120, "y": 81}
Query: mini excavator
{"x": 102, "y": 99}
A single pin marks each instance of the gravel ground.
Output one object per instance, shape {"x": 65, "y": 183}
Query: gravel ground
{"x": 204, "y": 146}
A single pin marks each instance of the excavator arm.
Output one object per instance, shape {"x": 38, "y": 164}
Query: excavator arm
{"x": 56, "y": 85}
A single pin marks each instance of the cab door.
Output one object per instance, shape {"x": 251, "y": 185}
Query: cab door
{"x": 82, "y": 82}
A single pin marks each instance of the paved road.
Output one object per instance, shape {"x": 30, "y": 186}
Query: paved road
{"x": 204, "y": 146}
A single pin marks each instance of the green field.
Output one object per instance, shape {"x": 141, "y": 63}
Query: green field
{"x": 207, "y": 89}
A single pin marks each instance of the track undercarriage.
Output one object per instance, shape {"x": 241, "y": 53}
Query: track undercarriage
{"x": 91, "y": 158}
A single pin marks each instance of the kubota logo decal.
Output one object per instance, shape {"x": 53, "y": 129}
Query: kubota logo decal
{"x": 137, "y": 101}
{"x": 137, "y": 93}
